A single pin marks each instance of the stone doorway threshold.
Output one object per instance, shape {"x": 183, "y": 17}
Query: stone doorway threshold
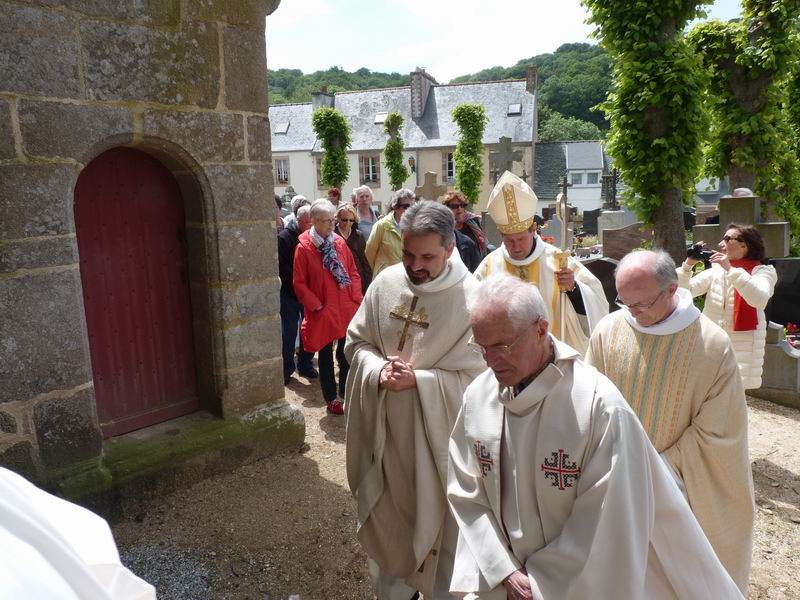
{"x": 146, "y": 464}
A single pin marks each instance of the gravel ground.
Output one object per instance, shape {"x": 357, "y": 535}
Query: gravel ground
{"x": 284, "y": 528}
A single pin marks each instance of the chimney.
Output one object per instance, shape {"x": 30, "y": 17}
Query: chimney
{"x": 321, "y": 98}
{"x": 421, "y": 84}
{"x": 532, "y": 79}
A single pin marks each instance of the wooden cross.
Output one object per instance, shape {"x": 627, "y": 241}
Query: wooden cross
{"x": 407, "y": 314}
{"x": 564, "y": 184}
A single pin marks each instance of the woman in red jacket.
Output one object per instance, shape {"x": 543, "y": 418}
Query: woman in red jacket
{"x": 327, "y": 284}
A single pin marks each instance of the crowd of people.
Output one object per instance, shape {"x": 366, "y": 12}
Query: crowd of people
{"x": 507, "y": 437}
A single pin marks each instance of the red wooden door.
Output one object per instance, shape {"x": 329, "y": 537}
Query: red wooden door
{"x": 130, "y": 227}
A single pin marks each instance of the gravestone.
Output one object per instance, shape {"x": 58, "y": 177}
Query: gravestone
{"x": 430, "y": 190}
{"x": 590, "y": 221}
{"x": 780, "y": 380}
{"x": 784, "y": 306}
{"x": 689, "y": 217}
{"x": 505, "y": 157}
{"x": 490, "y": 229}
{"x": 613, "y": 219}
{"x": 603, "y": 268}
{"x": 618, "y": 242}
{"x": 553, "y": 229}
{"x": 747, "y": 211}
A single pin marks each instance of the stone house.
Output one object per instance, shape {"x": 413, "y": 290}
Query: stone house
{"x": 429, "y": 133}
{"x": 138, "y": 278}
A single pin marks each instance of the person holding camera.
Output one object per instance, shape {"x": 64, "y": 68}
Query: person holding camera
{"x": 737, "y": 286}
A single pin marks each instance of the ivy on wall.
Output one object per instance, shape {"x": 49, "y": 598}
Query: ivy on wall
{"x": 333, "y": 132}
{"x": 468, "y": 157}
{"x": 393, "y": 151}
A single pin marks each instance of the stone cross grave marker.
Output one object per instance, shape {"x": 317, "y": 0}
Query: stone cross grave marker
{"x": 430, "y": 190}
{"x": 504, "y": 158}
{"x": 745, "y": 210}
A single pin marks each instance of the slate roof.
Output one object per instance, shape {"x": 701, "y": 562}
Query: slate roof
{"x": 550, "y": 167}
{"x": 584, "y": 156}
{"x": 435, "y": 129}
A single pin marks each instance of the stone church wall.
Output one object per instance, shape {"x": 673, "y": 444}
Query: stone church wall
{"x": 184, "y": 80}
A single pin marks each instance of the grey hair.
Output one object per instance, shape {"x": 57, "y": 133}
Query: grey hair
{"x": 297, "y": 202}
{"x": 657, "y": 262}
{"x": 363, "y": 188}
{"x": 522, "y": 301}
{"x": 402, "y": 194}
{"x": 323, "y": 205}
{"x": 303, "y": 210}
{"x": 425, "y": 217}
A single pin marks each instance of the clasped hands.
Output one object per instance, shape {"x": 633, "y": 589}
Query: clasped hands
{"x": 397, "y": 375}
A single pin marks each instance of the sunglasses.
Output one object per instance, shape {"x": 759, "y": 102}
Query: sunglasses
{"x": 730, "y": 238}
{"x": 347, "y": 220}
{"x": 456, "y": 206}
{"x": 402, "y": 206}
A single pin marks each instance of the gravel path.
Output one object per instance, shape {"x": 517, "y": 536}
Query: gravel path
{"x": 284, "y": 528}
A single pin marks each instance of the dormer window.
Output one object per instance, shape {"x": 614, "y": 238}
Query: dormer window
{"x": 380, "y": 117}
{"x": 281, "y": 128}
{"x": 514, "y": 109}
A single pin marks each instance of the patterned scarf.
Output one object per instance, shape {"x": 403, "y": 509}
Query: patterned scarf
{"x": 472, "y": 222}
{"x": 330, "y": 260}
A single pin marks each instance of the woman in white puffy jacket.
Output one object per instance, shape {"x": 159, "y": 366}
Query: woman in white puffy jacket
{"x": 738, "y": 286}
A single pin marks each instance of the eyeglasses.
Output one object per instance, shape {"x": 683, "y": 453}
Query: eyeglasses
{"x": 347, "y": 220}
{"x": 402, "y": 205}
{"x": 729, "y": 238}
{"x": 501, "y": 350}
{"x": 641, "y": 305}
{"x": 455, "y": 206}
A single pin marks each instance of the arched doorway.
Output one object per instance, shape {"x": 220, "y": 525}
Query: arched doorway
{"x": 130, "y": 226}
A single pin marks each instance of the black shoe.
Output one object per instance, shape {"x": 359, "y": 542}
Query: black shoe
{"x": 310, "y": 373}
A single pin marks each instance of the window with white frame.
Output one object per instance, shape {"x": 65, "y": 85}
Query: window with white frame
{"x": 576, "y": 178}
{"x": 448, "y": 168}
{"x": 593, "y": 178}
{"x": 369, "y": 169}
{"x": 584, "y": 178}
{"x": 281, "y": 171}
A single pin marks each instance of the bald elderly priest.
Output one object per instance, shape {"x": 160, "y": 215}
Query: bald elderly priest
{"x": 678, "y": 371}
{"x": 523, "y": 253}
{"x": 409, "y": 366}
{"x": 557, "y": 492}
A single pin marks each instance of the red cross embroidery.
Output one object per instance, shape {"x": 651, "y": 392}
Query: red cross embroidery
{"x": 485, "y": 460}
{"x": 560, "y": 470}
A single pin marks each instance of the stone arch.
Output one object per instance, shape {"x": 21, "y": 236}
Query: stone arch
{"x": 202, "y": 251}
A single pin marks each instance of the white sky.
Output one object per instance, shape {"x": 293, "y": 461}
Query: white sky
{"x": 447, "y": 37}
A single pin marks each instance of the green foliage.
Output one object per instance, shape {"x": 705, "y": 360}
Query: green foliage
{"x": 291, "y": 85}
{"x": 658, "y": 121}
{"x": 471, "y": 120}
{"x": 572, "y": 80}
{"x": 393, "y": 151}
{"x": 333, "y": 132}
{"x": 554, "y": 127}
{"x": 752, "y": 99}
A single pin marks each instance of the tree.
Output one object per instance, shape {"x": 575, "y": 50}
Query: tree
{"x": 471, "y": 120}
{"x": 655, "y": 107}
{"x": 751, "y": 62}
{"x": 554, "y": 127}
{"x": 393, "y": 151}
{"x": 333, "y": 132}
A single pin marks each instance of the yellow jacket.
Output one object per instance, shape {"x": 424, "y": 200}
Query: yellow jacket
{"x": 384, "y": 247}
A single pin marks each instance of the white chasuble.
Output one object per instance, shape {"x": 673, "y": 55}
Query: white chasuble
{"x": 397, "y": 442}
{"x": 681, "y": 378}
{"x": 562, "y": 481}
{"x": 540, "y": 269}
{"x": 51, "y": 548}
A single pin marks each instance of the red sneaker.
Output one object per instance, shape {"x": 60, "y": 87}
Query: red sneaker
{"x": 336, "y": 407}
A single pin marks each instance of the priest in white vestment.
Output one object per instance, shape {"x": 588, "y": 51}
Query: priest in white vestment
{"x": 557, "y": 491}
{"x": 512, "y": 205}
{"x": 51, "y": 548}
{"x": 409, "y": 366}
{"x": 678, "y": 371}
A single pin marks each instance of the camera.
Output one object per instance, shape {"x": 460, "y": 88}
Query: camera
{"x": 697, "y": 252}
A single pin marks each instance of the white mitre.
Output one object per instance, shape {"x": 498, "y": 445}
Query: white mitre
{"x": 512, "y": 204}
